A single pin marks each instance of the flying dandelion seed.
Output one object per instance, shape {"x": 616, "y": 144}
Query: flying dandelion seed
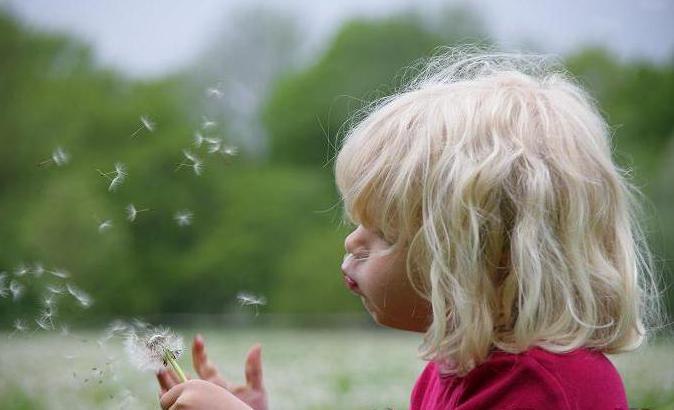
{"x": 116, "y": 176}
{"x": 46, "y": 319}
{"x": 59, "y": 157}
{"x": 20, "y": 326}
{"x": 132, "y": 212}
{"x": 59, "y": 273}
{"x": 194, "y": 162}
{"x": 120, "y": 175}
{"x": 215, "y": 92}
{"x": 37, "y": 270}
{"x": 198, "y": 139}
{"x": 184, "y": 217}
{"x": 49, "y": 300}
{"x": 21, "y": 270}
{"x": 104, "y": 226}
{"x": 16, "y": 289}
{"x": 145, "y": 123}
{"x": 4, "y": 290}
{"x": 82, "y": 297}
{"x": 247, "y": 299}
{"x": 229, "y": 151}
{"x": 154, "y": 349}
{"x": 207, "y": 124}
{"x": 213, "y": 144}
{"x": 57, "y": 290}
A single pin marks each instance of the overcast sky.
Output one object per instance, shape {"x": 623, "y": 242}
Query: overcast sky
{"x": 151, "y": 37}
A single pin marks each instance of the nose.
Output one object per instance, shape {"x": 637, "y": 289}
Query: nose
{"x": 351, "y": 241}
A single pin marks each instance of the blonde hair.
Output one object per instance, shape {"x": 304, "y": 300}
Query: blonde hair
{"x": 494, "y": 172}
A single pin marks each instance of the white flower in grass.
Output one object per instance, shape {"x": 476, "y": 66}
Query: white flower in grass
{"x": 145, "y": 123}
{"x": 184, "y": 217}
{"x": 153, "y": 348}
{"x": 82, "y": 297}
{"x": 16, "y": 289}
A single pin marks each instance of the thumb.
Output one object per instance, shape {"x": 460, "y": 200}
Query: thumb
{"x": 254, "y": 367}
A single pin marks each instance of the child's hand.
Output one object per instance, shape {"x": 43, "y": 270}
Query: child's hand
{"x": 200, "y": 394}
{"x": 252, "y": 393}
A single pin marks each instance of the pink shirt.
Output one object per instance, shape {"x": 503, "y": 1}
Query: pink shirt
{"x": 535, "y": 379}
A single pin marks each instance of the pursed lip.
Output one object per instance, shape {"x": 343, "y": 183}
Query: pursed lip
{"x": 349, "y": 281}
{"x": 351, "y": 284}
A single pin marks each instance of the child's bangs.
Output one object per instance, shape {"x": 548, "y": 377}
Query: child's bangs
{"x": 370, "y": 175}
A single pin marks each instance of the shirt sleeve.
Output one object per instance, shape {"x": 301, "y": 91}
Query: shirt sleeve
{"x": 512, "y": 383}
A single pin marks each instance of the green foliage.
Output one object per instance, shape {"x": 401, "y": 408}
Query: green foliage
{"x": 269, "y": 227}
{"x": 307, "y": 108}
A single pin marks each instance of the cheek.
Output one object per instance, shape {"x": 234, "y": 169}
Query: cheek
{"x": 392, "y": 301}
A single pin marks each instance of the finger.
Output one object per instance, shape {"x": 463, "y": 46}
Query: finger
{"x": 165, "y": 381}
{"x": 169, "y": 398}
{"x": 204, "y": 367}
{"x": 254, "y": 367}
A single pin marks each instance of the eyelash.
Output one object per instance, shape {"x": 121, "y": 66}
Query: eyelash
{"x": 361, "y": 255}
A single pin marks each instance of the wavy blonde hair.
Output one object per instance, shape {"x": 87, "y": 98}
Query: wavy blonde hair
{"x": 494, "y": 173}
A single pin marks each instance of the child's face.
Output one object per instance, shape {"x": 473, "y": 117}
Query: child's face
{"x": 381, "y": 282}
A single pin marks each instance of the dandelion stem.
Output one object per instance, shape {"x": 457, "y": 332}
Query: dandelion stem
{"x": 171, "y": 359}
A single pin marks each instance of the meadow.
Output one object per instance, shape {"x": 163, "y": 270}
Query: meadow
{"x": 304, "y": 369}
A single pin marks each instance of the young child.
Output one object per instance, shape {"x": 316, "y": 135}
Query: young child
{"x": 491, "y": 218}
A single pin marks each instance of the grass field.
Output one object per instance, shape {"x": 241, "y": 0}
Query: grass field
{"x": 304, "y": 369}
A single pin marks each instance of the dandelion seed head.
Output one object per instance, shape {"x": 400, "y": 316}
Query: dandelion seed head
{"x": 60, "y": 157}
{"x": 184, "y": 217}
{"x": 16, "y": 289}
{"x": 147, "y": 348}
{"x": 147, "y": 123}
{"x": 82, "y": 297}
{"x": 105, "y": 226}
